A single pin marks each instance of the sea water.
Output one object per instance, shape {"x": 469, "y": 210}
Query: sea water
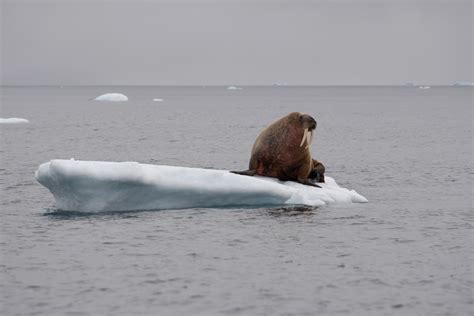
{"x": 408, "y": 251}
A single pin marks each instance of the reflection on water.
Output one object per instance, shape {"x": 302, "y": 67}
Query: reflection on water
{"x": 71, "y": 215}
{"x": 293, "y": 211}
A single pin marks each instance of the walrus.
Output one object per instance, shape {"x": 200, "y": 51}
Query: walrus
{"x": 282, "y": 151}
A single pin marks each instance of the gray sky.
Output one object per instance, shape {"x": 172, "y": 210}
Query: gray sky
{"x": 212, "y": 42}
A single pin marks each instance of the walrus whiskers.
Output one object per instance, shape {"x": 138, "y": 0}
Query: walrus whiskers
{"x": 305, "y": 134}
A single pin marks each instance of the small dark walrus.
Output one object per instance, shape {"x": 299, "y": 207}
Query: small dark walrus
{"x": 282, "y": 151}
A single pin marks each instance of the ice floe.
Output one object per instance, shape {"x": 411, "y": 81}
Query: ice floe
{"x": 93, "y": 186}
{"x": 463, "y": 84}
{"x": 112, "y": 97}
{"x": 158, "y": 100}
{"x": 233, "y": 88}
{"x": 424, "y": 87}
{"x": 13, "y": 120}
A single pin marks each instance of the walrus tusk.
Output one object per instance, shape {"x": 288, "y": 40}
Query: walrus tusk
{"x": 310, "y": 135}
{"x": 305, "y": 134}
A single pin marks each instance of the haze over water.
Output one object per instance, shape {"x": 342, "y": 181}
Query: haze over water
{"x": 408, "y": 251}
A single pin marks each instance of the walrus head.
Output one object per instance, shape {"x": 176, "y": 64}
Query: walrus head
{"x": 308, "y": 124}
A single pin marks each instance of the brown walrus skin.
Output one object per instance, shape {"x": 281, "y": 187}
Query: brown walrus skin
{"x": 280, "y": 152}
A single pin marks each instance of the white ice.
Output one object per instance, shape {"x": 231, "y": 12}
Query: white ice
{"x": 424, "y": 87}
{"x": 234, "y": 88}
{"x": 112, "y": 97}
{"x": 464, "y": 84}
{"x": 13, "y": 120}
{"x": 93, "y": 186}
{"x": 158, "y": 100}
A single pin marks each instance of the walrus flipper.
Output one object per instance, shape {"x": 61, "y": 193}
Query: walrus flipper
{"x": 318, "y": 171}
{"x": 250, "y": 172}
{"x": 307, "y": 182}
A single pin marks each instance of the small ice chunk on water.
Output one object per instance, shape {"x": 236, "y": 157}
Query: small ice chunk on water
{"x": 424, "y": 87}
{"x": 117, "y": 97}
{"x": 13, "y": 120}
{"x": 158, "y": 100}
{"x": 96, "y": 186}
{"x": 233, "y": 88}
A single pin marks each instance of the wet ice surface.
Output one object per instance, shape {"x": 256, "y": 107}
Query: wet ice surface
{"x": 104, "y": 186}
{"x": 408, "y": 251}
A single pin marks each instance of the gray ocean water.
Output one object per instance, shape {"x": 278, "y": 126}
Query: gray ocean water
{"x": 409, "y": 251}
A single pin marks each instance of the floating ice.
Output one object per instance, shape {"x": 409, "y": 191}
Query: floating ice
{"x": 464, "y": 84}
{"x": 234, "y": 88}
{"x": 93, "y": 186}
{"x": 112, "y": 97}
{"x": 158, "y": 100}
{"x": 424, "y": 87}
{"x": 13, "y": 120}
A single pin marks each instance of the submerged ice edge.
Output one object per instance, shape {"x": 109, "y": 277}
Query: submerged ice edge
{"x": 92, "y": 186}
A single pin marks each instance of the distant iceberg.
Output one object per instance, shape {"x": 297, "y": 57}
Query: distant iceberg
{"x": 92, "y": 186}
{"x": 117, "y": 97}
{"x": 464, "y": 84}
{"x": 233, "y": 88}
{"x": 13, "y": 120}
{"x": 158, "y": 100}
{"x": 424, "y": 87}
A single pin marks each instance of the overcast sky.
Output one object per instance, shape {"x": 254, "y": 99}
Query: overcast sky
{"x": 223, "y": 42}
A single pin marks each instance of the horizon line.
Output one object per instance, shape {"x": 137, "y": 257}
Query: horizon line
{"x": 460, "y": 84}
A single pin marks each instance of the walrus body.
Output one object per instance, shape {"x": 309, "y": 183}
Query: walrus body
{"x": 282, "y": 151}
